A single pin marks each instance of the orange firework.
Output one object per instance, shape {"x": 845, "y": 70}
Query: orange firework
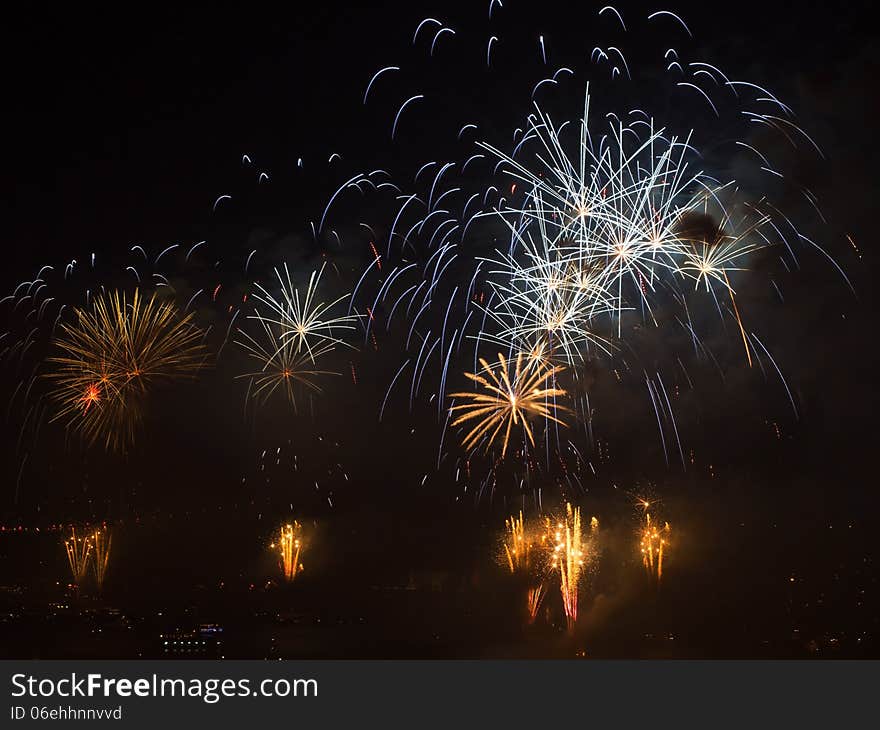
{"x": 653, "y": 541}
{"x": 524, "y": 552}
{"x": 111, "y": 356}
{"x": 290, "y": 547}
{"x": 548, "y": 546}
{"x": 511, "y": 398}
{"x": 571, "y": 551}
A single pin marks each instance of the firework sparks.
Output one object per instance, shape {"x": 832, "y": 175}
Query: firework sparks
{"x": 653, "y": 540}
{"x": 510, "y": 400}
{"x": 102, "y": 542}
{"x": 283, "y": 366}
{"x": 111, "y": 356}
{"x": 305, "y": 323}
{"x": 525, "y": 552}
{"x": 517, "y": 545}
{"x": 570, "y": 554}
{"x": 545, "y": 547}
{"x": 534, "y": 599}
{"x": 79, "y": 553}
{"x": 289, "y": 546}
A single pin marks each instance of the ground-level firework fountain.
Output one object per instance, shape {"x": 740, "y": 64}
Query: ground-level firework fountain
{"x": 101, "y": 541}
{"x": 653, "y": 539}
{"x": 517, "y": 546}
{"x": 569, "y": 556}
{"x": 290, "y": 547}
{"x": 534, "y": 599}
{"x": 546, "y": 547}
{"x": 79, "y": 551}
{"x": 525, "y": 552}
{"x": 90, "y": 549}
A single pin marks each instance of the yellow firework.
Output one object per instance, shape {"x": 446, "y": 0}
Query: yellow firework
{"x": 79, "y": 553}
{"x": 517, "y": 544}
{"x": 290, "y": 547}
{"x": 570, "y": 554}
{"x": 111, "y": 356}
{"x": 510, "y": 399}
{"x": 101, "y": 541}
{"x": 525, "y": 553}
{"x": 653, "y": 541}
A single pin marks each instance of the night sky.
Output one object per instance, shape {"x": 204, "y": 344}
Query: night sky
{"x": 124, "y": 127}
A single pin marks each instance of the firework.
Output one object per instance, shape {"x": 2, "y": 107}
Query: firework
{"x": 112, "y": 356}
{"x": 570, "y": 552}
{"x": 525, "y": 553}
{"x": 534, "y": 599}
{"x": 546, "y": 547}
{"x": 282, "y": 365}
{"x": 510, "y": 400}
{"x": 101, "y": 541}
{"x": 79, "y": 553}
{"x": 307, "y": 324}
{"x": 612, "y": 235}
{"x": 603, "y": 225}
{"x": 289, "y": 546}
{"x": 517, "y": 544}
{"x": 653, "y": 540}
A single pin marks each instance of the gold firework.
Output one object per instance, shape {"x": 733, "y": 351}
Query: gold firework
{"x": 510, "y": 400}
{"x": 570, "y": 553}
{"x": 109, "y": 358}
{"x": 653, "y": 540}
{"x": 524, "y": 552}
{"x": 79, "y": 553}
{"x": 290, "y": 546}
{"x": 517, "y": 544}
{"x": 102, "y": 541}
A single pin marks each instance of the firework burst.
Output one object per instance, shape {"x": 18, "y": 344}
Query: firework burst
{"x": 511, "y": 398}
{"x": 283, "y": 366}
{"x": 110, "y": 358}
{"x": 307, "y": 325}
